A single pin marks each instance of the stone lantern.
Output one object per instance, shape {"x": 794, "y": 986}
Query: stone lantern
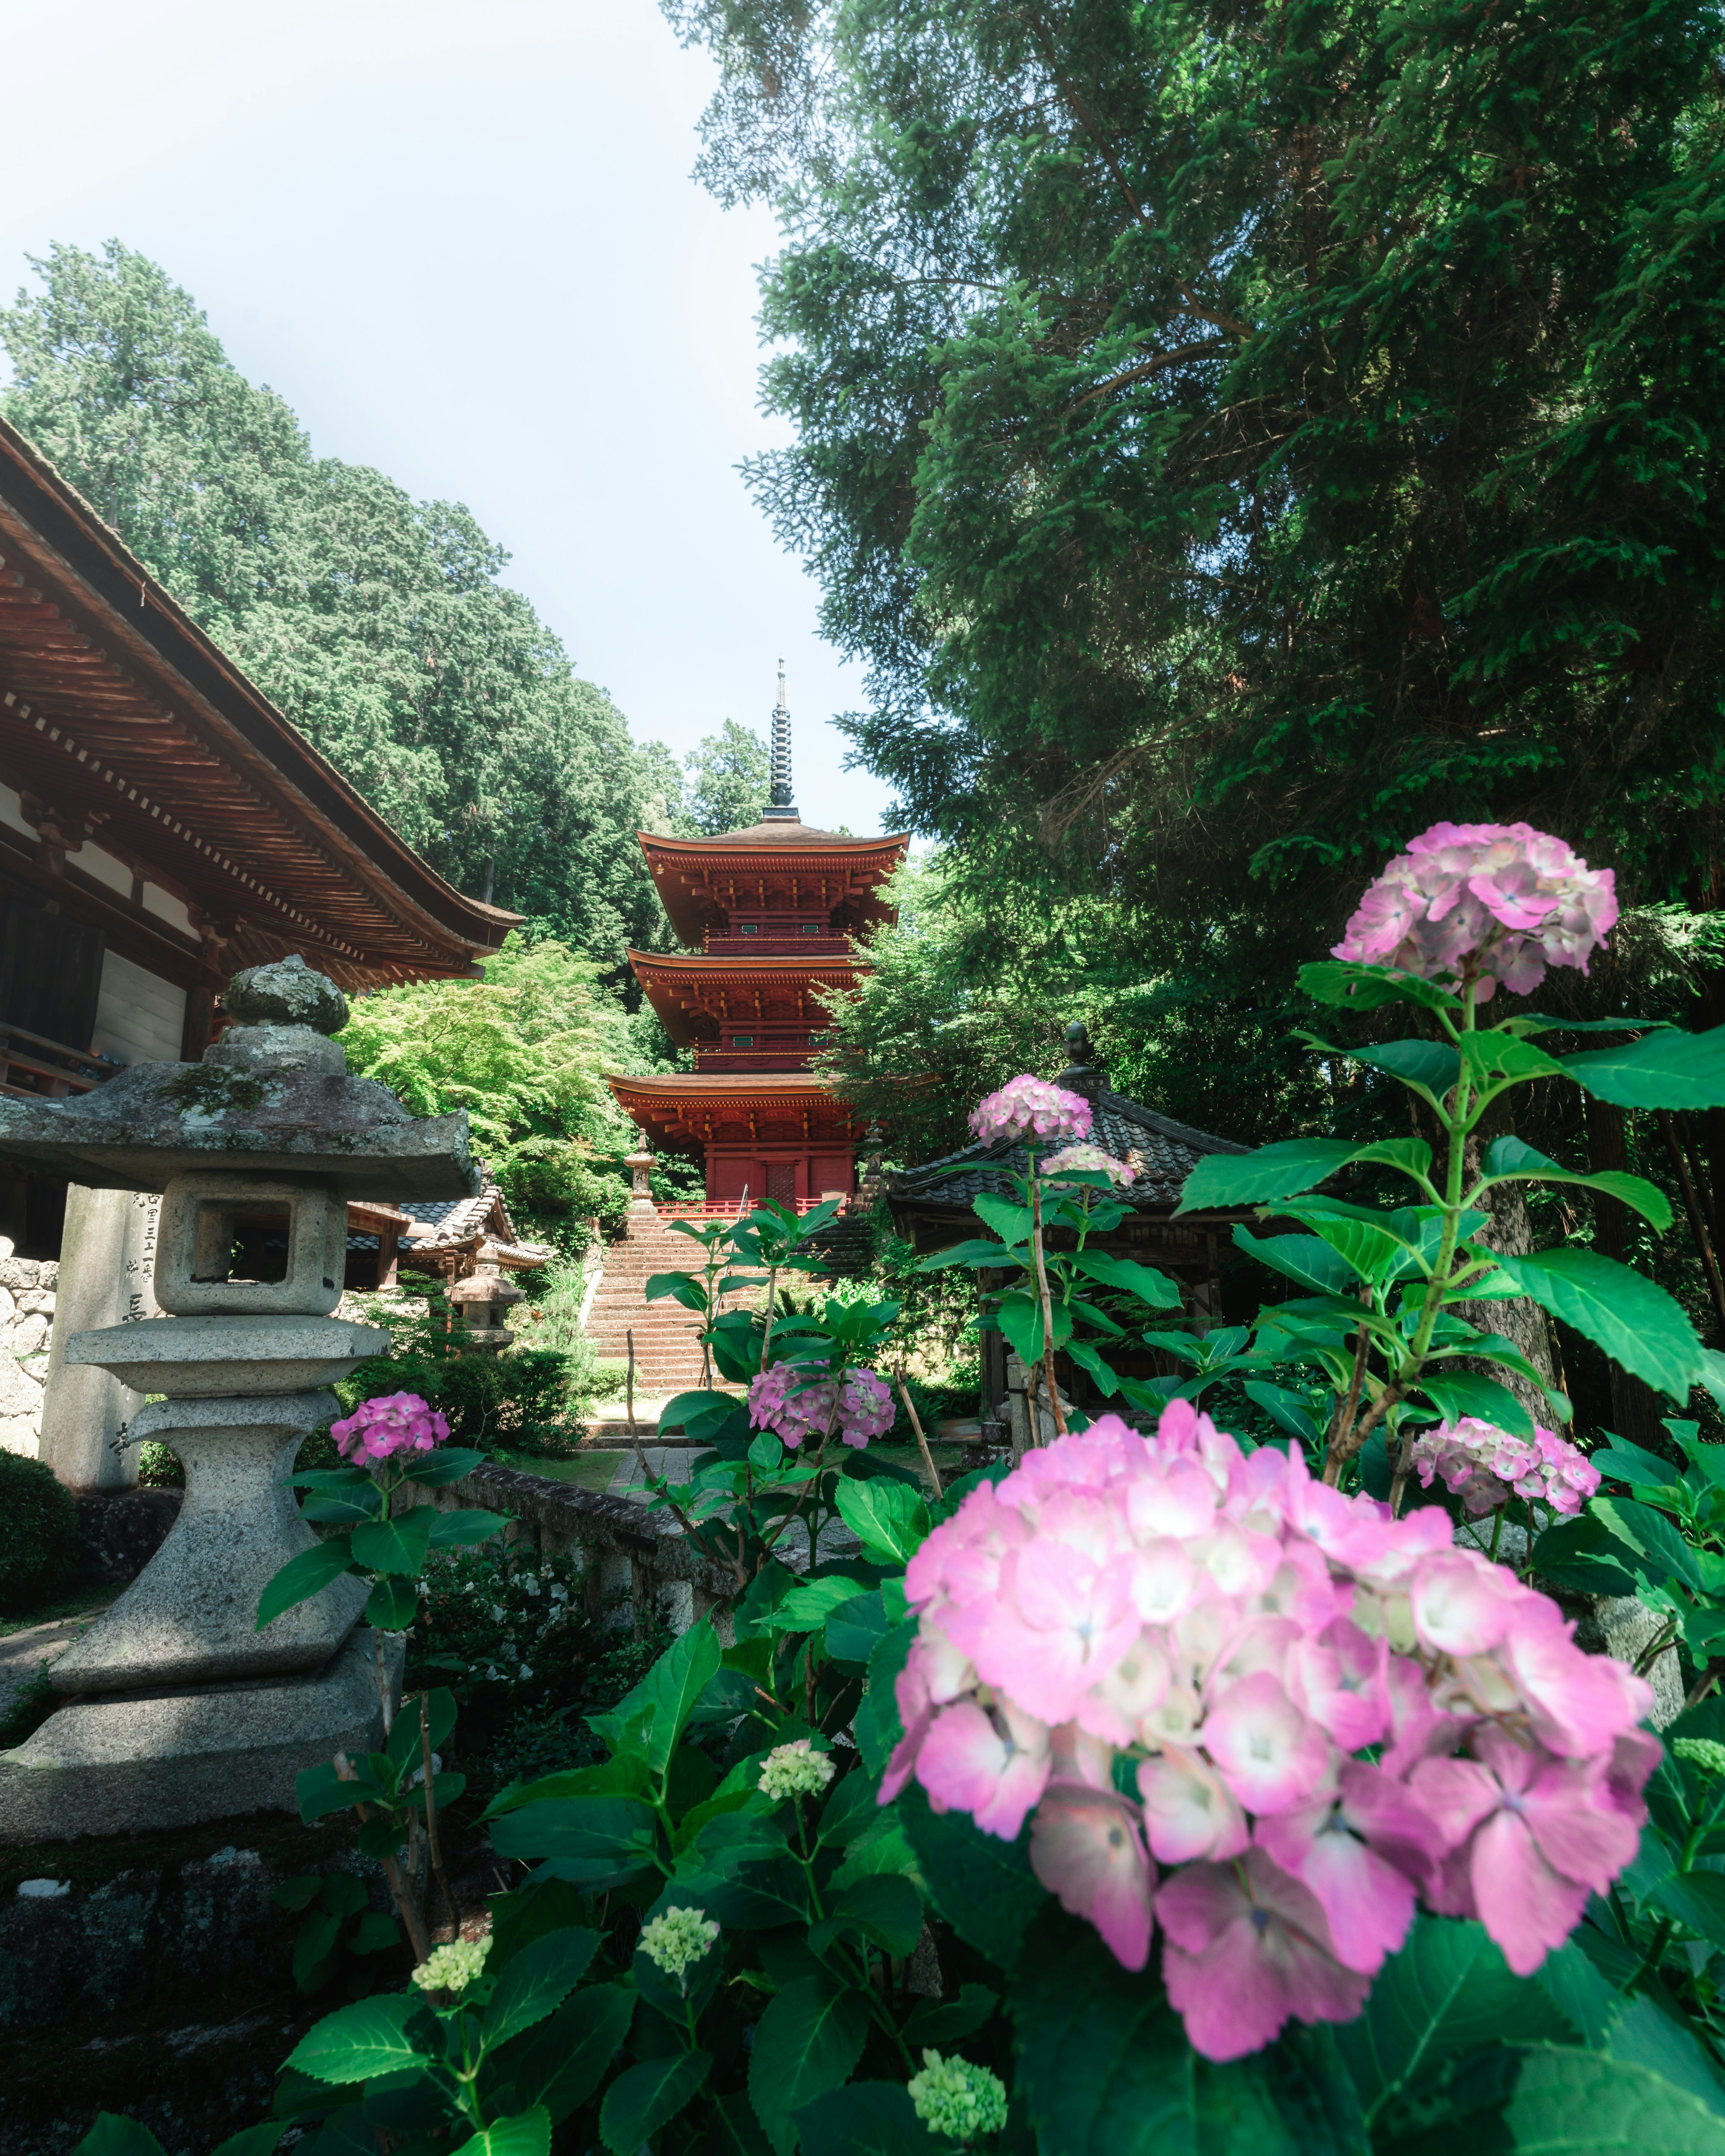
{"x": 180, "y": 1708}
{"x": 639, "y": 1164}
{"x": 485, "y": 1299}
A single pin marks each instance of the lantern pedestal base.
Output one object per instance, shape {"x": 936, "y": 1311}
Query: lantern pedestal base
{"x": 130, "y": 1762}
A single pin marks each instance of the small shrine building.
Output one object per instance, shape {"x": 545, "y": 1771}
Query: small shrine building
{"x": 767, "y": 913}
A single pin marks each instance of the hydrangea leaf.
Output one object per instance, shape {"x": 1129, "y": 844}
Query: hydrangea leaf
{"x": 807, "y": 2041}
{"x": 1637, "y": 1323}
{"x": 1662, "y": 1070}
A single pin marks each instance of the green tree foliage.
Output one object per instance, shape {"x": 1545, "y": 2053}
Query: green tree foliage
{"x": 1236, "y": 440}
{"x": 728, "y": 785}
{"x": 377, "y": 623}
{"x": 524, "y": 1051}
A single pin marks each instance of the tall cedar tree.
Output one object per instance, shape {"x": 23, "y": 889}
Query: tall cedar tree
{"x": 1237, "y": 437}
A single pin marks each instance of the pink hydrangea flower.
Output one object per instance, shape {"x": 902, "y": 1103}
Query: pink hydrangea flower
{"x": 1484, "y": 1466}
{"x": 1027, "y": 1105}
{"x": 1164, "y": 1652}
{"x": 1073, "y": 1158}
{"x": 393, "y": 1423}
{"x": 794, "y": 1402}
{"x": 1499, "y": 901}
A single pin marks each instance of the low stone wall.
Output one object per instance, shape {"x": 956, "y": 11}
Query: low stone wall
{"x": 27, "y": 1294}
{"x": 631, "y": 1556}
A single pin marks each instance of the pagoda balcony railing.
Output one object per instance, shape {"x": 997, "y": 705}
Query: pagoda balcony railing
{"x": 726, "y": 1208}
{"x": 34, "y": 1068}
{"x": 825, "y": 948}
{"x": 745, "y": 1059}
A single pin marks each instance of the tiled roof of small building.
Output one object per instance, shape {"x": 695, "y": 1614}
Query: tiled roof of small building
{"x": 453, "y": 1222}
{"x": 1164, "y": 1153}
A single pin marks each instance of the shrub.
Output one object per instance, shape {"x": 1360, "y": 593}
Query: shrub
{"x": 39, "y": 1533}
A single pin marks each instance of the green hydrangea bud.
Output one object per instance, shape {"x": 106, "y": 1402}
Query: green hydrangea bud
{"x": 795, "y": 1770}
{"x": 964, "y": 2103}
{"x": 677, "y": 1939}
{"x": 1706, "y": 1753}
{"x": 453, "y": 1968}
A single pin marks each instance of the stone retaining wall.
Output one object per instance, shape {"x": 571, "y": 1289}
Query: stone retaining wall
{"x": 629, "y": 1555}
{"x": 27, "y": 1294}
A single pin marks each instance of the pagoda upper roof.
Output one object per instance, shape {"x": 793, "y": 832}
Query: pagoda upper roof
{"x": 677, "y": 982}
{"x": 691, "y": 874}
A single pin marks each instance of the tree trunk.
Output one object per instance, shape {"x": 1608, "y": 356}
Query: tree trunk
{"x": 1637, "y": 1411}
{"x": 1509, "y": 1230}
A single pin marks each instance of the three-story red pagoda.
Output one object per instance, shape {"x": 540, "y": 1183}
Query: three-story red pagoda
{"x": 767, "y": 913}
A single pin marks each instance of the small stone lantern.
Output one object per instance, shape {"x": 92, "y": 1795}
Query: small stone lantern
{"x": 181, "y": 1709}
{"x": 485, "y": 1299}
{"x": 640, "y": 1164}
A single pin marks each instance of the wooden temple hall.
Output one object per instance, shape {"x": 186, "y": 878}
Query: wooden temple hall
{"x": 161, "y": 825}
{"x": 767, "y": 914}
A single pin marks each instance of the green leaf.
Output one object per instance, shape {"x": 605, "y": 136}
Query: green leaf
{"x": 314, "y": 1946}
{"x": 865, "y": 2118}
{"x": 1010, "y": 1220}
{"x": 807, "y": 2041}
{"x": 1448, "y": 1992}
{"x": 1583, "y": 1554}
{"x": 114, "y": 2136}
{"x": 857, "y": 1627}
{"x": 1652, "y": 1537}
{"x": 1662, "y": 1070}
{"x": 1224, "y": 1180}
{"x": 1286, "y": 1409}
{"x": 1559, "y": 2102}
{"x": 1307, "y": 1259}
{"x": 1493, "y": 1057}
{"x": 983, "y": 1886}
{"x": 392, "y": 1604}
{"x": 566, "y": 2059}
{"x": 666, "y": 1695}
{"x": 697, "y": 1414}
{"x": 1458, "y": 1393}
{"x": 934, "y": 2022}
{"x": 596, "y": 1842}
{"x": 1493, "y": 1348}
{"x": 885, "y": 1910}
{"x": 396, "y": 1546}
{"x": 302, "y": 1577}
{"x": 1346, "y": 986}
{"x": 359, "y": 2043}
{"x": 982, "y": 1256}
{"x": 1637, "y": 1324}
{"x": 449, "y": 1463}
{"x": 1620, "y": 1462}
{"x": 1105, "y": 2068}
{"x": 460, "y": 1530}
{"x": 1431, "y": 1067}
{"x": 646, "y": 2098}
{"x": 887, "y": 1517}
{"x": 252, "y": 2140}
{"x": 809, "y": 1604}
{"x": 374, "y": 1933}
{"x": 682, "y": 1287}
{"x": 876, "y": 1727}
{"x": 1508, "y": 1159}
{"x": 528, "y": 2134}
{"x": 1020, "y": 1319}
{"x": 1697, "y": 1899}
{"x": 1149, "y": 1285}
{"x": 536, "y": 1981}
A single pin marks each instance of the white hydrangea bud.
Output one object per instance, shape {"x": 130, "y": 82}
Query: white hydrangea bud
{"x": 953, "y": 2098}
{"x": 454, "y": 1967}
{"x": 676, "y": 1940}
{"x": 794, "y": 1770}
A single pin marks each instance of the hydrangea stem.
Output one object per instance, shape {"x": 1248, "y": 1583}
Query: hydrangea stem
{"x": 1048, "y": 1348}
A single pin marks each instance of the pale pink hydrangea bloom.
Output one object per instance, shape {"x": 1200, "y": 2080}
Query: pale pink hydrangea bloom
{"x": 1092, "y": 1157}
{"x": 1238, "y": 1632}
{"x": 1485, "y": 1467}
{"x": 1031, "y": 1106}
{"x": 1500, "y": 900}
{"x": 392, "y": 1423}
{"x": 783, "y": 1400}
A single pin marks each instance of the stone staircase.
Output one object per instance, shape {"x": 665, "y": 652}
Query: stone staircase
{"x": 668, "y": 1352}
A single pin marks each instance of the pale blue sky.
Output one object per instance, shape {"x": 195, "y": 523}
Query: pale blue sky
{"x": 462, "y": 243}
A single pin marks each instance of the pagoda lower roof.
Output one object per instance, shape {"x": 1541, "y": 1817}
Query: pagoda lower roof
{"x": 692, "y": 1100}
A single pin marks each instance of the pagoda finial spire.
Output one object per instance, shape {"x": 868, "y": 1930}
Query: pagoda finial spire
{"x": 783, "y": 809}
